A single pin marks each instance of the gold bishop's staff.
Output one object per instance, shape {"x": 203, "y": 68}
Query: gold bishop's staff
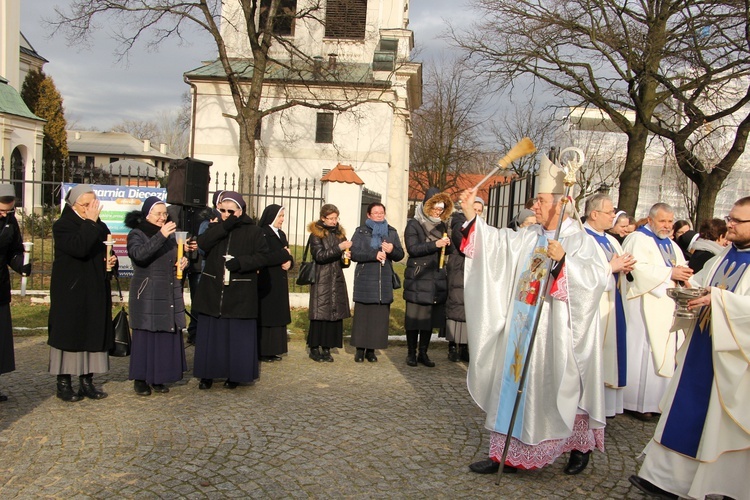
{"x": 570, "y": 181}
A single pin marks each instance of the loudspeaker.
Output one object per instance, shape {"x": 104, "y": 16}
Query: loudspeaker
{"x": 188, "y": 182}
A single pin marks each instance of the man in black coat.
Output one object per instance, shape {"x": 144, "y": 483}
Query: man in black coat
{"x": 80, "y": 315}
{"x": 11, "y": 254}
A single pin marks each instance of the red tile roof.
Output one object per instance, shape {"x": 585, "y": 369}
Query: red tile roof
{"x": 418, "y": 184}
{"x": 343, "y": 173}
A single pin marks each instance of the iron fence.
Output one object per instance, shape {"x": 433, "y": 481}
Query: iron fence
{"x": 38, "y": 203}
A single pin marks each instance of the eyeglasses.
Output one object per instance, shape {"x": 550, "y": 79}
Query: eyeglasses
{"x": 160, "y": 215}
{"x": 611, "y": 212}
{"x": 733, "y": 221}
{"x": 332, "y": 218}
{"x": 8, "y": 212}
{"x": 226, "y": 211}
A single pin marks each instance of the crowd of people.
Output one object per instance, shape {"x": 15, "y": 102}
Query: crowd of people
{"x": 564, "y": 321}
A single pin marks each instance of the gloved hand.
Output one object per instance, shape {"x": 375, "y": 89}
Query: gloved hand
{"x": 230, "y": 223}
{"x": 26, "y": 270}
{"x": 233, "y": 265}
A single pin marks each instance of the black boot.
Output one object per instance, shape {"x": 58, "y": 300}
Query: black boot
{"x": 360, "y": 355}
{"x": 87, "y": 388}
{"x": 370, "y": 355}
{"x": 463, "y": 352}
{"x": 424, "y": 343}
{"x": 452, "y": 352}
{"x": 577, "y": 462}
{"x": 411, "y": 347}
{"x": 315, "y": 354}
{"x": 65, "y": 389}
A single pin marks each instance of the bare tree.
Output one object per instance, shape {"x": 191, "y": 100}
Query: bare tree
{"x": 445, "y": 129}
{"x": 624, "y": 58}
{"x": 259, "y": 25}
{"x": 523, "y": 121}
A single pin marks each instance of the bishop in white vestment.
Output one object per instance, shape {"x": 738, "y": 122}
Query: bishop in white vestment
{"x": 562, "y": 409}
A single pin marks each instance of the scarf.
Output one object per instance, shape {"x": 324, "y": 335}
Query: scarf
{"x": 148, "y": 228}
{"x": 379, "y": 232}
{"x": 427, "y": 222}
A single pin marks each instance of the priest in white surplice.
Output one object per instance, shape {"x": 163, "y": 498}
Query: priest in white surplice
{"x": 600, "y": 215}
{"x": 702, "y": 442}
{"x": 562, "y": 408}
{"x": 651, "y": 347}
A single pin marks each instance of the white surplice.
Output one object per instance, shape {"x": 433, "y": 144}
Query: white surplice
{"x": 722, "y": 462}
{"x": 649, "y": 311}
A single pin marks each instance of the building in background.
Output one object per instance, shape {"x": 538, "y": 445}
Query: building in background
{"x": 366, "y": 45}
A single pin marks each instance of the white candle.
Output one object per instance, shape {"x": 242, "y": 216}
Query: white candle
{"x": 26, "y": 259}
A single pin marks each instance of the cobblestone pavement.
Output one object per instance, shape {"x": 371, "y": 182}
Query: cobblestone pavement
{"x": 305, "y": 429}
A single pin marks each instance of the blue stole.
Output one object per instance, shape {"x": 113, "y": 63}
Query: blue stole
{"x": 665, "y": 246}
{"x": 687, "y": 416}
{"x": 622, "y": 347}
{"x": 525, "y": 303}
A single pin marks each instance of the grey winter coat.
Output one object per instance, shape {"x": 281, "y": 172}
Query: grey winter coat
{"x": 329, "y": 298}
{"x": 156, "y": 303}
{"x": 373, "y": 283}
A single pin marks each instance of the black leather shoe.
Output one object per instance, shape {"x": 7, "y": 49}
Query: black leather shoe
{"x": 325, "y": 355}
{"x": 65, "y": 389}
{"x": 489, "y": 466}
{"x": 425, "y": 360}
{"x": 160, "y": 388}
{"x": 267, "y": 359}
{"x": 230, "y": 385}
{"x": 205, "y": 384}
{"x": 87, "y": 388}
{"x": 276, "y": 358}
{"x": 315, "y": 354}
{"x": 359, "y": 356}
{"x": 577, "y": 462}
{"x": 141, "y": 388}
{"x": 463, "y": 353}
{"x": 411, "y": 360}
{"x": 650, "y": 488}
{"x": 370, "y": 356}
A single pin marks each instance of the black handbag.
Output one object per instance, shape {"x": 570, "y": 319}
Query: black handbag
{"x": 121, "y": 348}
{"x": 306, "y": 274}
{"x": 395, "y": 279}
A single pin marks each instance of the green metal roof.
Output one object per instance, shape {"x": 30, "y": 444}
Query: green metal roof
{"x": 11, "y": 102}
{"x": 342, "y": 73}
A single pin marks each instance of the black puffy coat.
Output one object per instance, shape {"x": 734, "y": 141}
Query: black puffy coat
{"x": 424, "y": 282}
{"x": 273, "y": 283}
{"x": 329, "y": 298}
{"x": 373, "y": 283}
{"x": 80, "y": 313}
{"x": 156, "y": 303}
{"x": 239, "y": 299}
{"x": 11, "y": 254}
{"x": 454, "y": 306}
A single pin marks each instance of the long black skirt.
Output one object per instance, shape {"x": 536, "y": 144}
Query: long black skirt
{"x": 7, "y": 356}
{"x": 157, "y": 357}
{"x": 370, "y": 326}
{"x": 273, "y": 340}
{"x": 226, "y": 348}
{"x": 326, "y": 333}
{"x": 424, "y": 317}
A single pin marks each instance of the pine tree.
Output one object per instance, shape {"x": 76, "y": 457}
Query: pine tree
{"x": 43, "y": 99}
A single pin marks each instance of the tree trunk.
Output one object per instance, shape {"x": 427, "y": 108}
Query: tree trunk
{"x": 630, "y": 177}
{"x": 246, "y": 165}
{"x": 707, "y": 193}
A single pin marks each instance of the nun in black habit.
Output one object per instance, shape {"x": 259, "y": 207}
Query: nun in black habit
{"x": 273, "y": 287}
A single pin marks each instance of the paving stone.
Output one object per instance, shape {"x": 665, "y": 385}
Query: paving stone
{"x": 304, "y": 430}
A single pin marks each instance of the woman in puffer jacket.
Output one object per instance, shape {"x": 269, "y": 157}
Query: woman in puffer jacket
{"x": 329, "y": 298}
{"x": 425, "y": 282}
{"x": 375, "y": 246}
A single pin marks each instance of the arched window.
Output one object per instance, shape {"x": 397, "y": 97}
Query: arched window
{"x": 17, "y": 175}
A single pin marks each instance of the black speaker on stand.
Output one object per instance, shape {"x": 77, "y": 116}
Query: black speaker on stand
{"x": 188, "y": 181}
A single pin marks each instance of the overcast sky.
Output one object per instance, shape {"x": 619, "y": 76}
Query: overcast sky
{"x": 99, "y": 92}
